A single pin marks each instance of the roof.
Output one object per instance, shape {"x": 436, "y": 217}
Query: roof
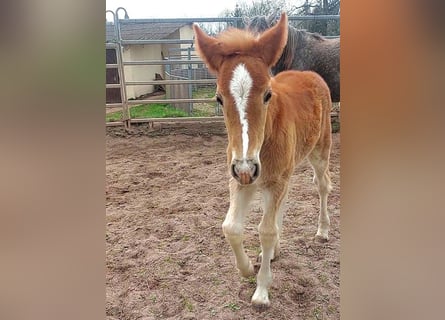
{"x": 135, "y": 30}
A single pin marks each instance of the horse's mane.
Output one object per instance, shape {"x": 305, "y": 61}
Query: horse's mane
{"x": 258, "y": 24}
{"x": 261, "y": 23}
{"x": 296, "y": 38}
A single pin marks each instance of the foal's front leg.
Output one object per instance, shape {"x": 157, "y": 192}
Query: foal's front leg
{"x": 233, "y": 225}
{"x": 269, "y": 230}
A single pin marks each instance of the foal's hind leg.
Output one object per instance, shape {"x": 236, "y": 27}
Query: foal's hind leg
{"x": 233, "y": 225}
{"x": 319, "y": 159}
{"x": 269, "y": 230}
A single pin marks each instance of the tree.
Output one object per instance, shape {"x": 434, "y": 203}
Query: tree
{"x": 274, "y": 7}
{"x": 244, "y": 10}
{"x": 309, "y": 7}
{"x": 259, "y": 8}
{"x": 320, "y": 7}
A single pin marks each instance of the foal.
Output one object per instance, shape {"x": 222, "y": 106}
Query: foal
{"x": 273, "y": 123}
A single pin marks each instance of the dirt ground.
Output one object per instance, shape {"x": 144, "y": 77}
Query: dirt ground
{"x": 167, "y": 258}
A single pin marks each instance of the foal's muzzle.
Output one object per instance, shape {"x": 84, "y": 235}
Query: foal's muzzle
{"x": 245, "y": 171}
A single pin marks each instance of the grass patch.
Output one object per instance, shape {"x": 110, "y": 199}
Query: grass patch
{"x": 251, "y": 279}
{"x": 205, "y": 109}
{"x": 204, "y": 92}
{"x": 232, "y": 306}
{"x": 148, "y": 111}
{"x": 156, "y": 111}
{"x": 317, "y": 313}
{"x": 167, "y": 111}
{"x": 323, "y": 279}
{"x": 188, "y": 304}
{"x": 202, "y": 113}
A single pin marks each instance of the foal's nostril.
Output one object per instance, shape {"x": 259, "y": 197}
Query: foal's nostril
{"x": 256, "y": 171}
{"x": 234, "y": 174}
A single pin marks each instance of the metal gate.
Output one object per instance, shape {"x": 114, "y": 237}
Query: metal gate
{"x": 173, "y": 80}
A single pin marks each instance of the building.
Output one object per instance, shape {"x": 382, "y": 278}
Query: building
{"x": 136, "y": 30}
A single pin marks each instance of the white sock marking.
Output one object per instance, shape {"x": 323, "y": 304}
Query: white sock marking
{"x": 240, "y": 86}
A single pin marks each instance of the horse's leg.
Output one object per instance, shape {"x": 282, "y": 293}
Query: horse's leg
{"x": 233, "y": 225}
{"x": 269, "y": 230}
{"x": 280, "y": 225}
{"x": 266, "y": 200}
{"x": 319, "y": 159}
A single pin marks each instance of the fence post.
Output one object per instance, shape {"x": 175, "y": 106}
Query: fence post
{"x": 126, "y": 117}
{"x": 189, "y": 76}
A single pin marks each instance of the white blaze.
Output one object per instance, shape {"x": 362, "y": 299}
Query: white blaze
{"x": 240, "y": 86}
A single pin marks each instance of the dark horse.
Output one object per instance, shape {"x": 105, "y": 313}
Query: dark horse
{"x": 306, "y": 51}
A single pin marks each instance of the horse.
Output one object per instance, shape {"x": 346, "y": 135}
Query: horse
{"x": 305, "y": 51}
{"x": 273, "y": 123}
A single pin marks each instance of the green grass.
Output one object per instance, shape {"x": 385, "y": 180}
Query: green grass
{"x": 167, "y": 111}
{"x": 232, "y": 306}
{"x": 200, "y": 113}
{"x": 148, "y": 111}
{"x": 252, "y": 279}
{"x": 317, "y": 313}
{"x": 204, "y": 92}
{"x": 188, "y": 304}
{"x": 204, "y": 109}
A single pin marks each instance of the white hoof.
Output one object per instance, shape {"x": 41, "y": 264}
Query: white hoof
{"x": 261, "y": 298}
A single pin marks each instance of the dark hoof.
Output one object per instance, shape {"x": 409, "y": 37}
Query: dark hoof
{"x": 260, "y": 307}
{"x": 321, "y": 239}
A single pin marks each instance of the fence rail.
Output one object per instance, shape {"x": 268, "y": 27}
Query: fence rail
{"x": 160, "y": 62}
{"x": 152, "y": 101}
{"x": 228, "y": 19}
{"x": 172, "y": 82}
{"x": 188, "y": 73}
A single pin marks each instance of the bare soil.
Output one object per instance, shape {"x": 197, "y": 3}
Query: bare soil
{"x": 167, "y": 258}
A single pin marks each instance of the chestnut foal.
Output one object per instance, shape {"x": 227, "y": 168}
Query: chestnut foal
{"x": 273, "y": 123}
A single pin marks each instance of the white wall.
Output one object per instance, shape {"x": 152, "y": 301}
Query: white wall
{"x": 150, "y": 52}
{"x": 186, "y": 33}
{"x": 141, "y": 73}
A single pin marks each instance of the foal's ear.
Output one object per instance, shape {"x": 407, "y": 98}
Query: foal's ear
{"x": 272, "y": 41}
{"x": 208, "y": 48}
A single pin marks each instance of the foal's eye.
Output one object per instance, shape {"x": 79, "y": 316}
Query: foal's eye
{"x": 219, "y": 100}
{"x": 267, "y": 96}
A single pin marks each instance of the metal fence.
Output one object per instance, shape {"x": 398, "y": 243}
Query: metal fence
{"x": 191, "y": 75}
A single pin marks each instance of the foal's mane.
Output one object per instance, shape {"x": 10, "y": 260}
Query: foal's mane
{"x": 236, "y": 42}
